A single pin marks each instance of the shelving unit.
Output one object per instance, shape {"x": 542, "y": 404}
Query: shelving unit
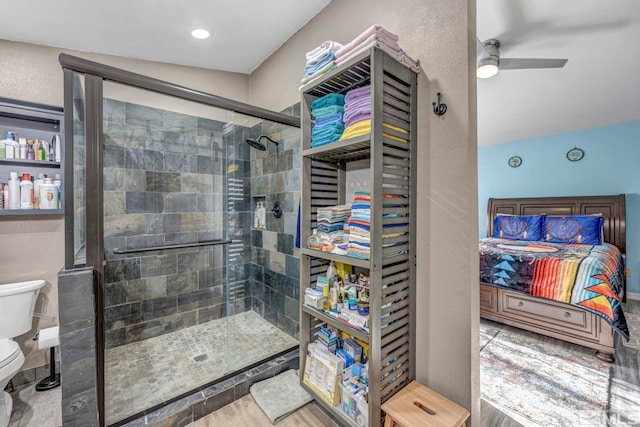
{"x": 391, "y": 269}
{"x": 31, "y": 121}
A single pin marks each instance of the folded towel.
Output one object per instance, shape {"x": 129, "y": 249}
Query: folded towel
{"x": 324, "y": 141}
{"x": 374, "y": 30}
{"x": 356, "y": 129}
{"x": 325, "y": 47}
{"x": 310, "y": 69}
{"x": 363, "y": 127}
{"x": 397, "y": 54}
{"x": 327, "y": 111}
{"x": 358, "y": 103}
{"x": 337, "y": 117}
{"x": 321, "y": 71}
{"x": 328, "y": 128}
{"x": 354, "y": 118}
{"x": 357, "y": 48}
{"x": 327, "y": 100}
{"x": 357, "y": 93}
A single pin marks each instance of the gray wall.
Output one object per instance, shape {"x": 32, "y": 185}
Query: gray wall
{"x": 275, "y": 264}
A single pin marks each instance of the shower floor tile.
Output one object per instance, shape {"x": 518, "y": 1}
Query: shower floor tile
{"x": 146, "y": 373}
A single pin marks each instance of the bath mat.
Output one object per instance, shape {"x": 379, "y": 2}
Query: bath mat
{"x": 281, "y": 395}
{"x": 540, "y": 381}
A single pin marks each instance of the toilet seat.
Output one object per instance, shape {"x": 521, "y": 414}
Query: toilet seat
{"x": 6, "y": 357}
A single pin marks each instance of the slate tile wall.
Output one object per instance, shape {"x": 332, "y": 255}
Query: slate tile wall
{"x": 164, "y": 183}
{"x": 274, "y": 266}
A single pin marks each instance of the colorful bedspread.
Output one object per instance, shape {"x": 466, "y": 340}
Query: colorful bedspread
{"x": 587, "y": 276}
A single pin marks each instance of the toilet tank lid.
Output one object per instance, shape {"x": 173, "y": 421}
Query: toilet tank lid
{"x": 19, "y": 287}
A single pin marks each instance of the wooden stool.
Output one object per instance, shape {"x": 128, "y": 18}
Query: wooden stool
{"x": 416, "y": 406}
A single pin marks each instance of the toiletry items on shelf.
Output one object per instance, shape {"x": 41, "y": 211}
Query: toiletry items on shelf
{"x": 42, "y": 150}
{"x": 22, "y": 191}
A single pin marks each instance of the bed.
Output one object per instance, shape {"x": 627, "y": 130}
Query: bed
{"x": 551, "y": 318}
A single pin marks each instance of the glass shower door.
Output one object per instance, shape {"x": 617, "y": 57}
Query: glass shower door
{"x": 166, "y": 293}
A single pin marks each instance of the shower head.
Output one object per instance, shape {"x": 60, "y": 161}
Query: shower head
{"x": 255, "y": 143}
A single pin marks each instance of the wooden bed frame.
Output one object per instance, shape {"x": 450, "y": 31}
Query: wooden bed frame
{"x": 555, "y": 319}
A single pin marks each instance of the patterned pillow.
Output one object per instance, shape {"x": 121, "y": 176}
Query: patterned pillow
{"x": 518, "y": 227}
{"x": 583, "y": 229}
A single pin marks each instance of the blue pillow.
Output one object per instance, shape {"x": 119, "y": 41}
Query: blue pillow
{"x": 518, "y": 227}
{"x": 583, "y": 229}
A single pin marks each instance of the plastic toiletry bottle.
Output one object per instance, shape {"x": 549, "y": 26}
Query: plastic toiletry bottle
{"x": 44, "y": 151}
{"x": 31, "y": 155}
{"x": 56, "y": 143}
{"x": 37, "y": 184}
{"x": 26, "y": 192}
{"x": 3, "y": 149}
{"x": 14, "y": 191}
{"x": 58, "y": 183}
{"x": 10, "y": 146}
{"x": 262, "y": 216}
{"x": 22, "y": 149}
{"x": 48, "y": 195}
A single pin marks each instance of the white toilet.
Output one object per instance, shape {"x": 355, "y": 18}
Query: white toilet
{"x": 17, "y": 302}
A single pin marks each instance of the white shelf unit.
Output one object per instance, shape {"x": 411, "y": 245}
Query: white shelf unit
{"x": 392, "y": 170}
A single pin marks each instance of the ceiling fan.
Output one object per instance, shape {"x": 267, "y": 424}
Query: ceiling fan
{"x": 489, "y": 61}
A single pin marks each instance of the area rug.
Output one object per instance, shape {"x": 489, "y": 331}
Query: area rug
{"x": 633, "y": 322}
{"x": 539, "y": 381}
{"x": 281, "y": 395}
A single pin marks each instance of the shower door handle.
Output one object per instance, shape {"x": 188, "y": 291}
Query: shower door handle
{"x": 118, "y": 251}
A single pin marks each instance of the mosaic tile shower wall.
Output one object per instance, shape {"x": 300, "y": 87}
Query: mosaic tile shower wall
{"x": 274, "y": 269}
{"x": 164, "y": 183}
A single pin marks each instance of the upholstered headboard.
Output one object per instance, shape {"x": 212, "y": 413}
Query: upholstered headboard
{"x": 612, "y": 209}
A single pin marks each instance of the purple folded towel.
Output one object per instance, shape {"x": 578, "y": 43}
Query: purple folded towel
{"x": 356, "y": 93}
{"x": 363, "y": 115}
{"x": 364, "y": 101}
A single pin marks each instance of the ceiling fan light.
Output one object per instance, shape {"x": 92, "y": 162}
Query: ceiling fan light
{"x": 487, "y": 68}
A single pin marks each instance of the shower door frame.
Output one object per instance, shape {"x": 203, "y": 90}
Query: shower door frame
{"x": 95, "y": 74}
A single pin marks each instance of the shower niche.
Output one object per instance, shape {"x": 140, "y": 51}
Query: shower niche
{"x": 189, "y": 291}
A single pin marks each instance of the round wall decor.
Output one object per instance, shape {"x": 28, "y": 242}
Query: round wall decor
{"x": 575, "y": 154}
{"x": 515, "y": 161}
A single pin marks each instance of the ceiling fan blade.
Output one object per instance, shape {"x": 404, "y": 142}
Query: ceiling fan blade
{"x": 522, "y": 63}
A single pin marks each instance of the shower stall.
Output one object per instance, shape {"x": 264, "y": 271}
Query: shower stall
{"x": 184, "y": 206}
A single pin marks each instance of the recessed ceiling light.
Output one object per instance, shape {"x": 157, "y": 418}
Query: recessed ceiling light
{"x": 200, "y": 33}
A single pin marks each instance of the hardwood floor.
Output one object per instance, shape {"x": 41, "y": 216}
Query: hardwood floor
{"x": 624, "y": 386}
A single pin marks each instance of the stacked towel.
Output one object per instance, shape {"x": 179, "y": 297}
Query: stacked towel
{"x": 320, "y": 60}
{"x": 357, "y": 105}
{"x": 379, "y": 37}
{"x": 357, "y": 115}
{"x": 360, "y": 226}
{"x": 331, "y": 222}
{"x": 328, "y": 113}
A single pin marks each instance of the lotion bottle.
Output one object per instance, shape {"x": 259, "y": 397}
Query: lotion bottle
{"x": 14, "y": 191}
{"x": 26, "y": 192}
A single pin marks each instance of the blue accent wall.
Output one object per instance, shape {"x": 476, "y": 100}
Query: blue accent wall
{"x": 611, "y": 165}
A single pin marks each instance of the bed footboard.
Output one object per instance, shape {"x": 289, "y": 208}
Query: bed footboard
{"x": 549, "y": 318}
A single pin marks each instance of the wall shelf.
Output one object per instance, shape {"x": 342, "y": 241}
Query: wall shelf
{"x": 31, "y": 121}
